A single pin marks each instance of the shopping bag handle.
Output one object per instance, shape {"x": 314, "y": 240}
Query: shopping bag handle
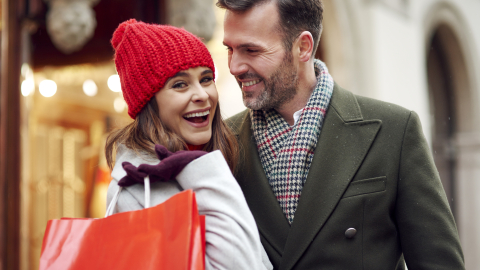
{"x": 114, "y": 201}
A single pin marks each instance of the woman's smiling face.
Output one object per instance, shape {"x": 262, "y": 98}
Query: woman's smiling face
{"x": 187, "y": 104}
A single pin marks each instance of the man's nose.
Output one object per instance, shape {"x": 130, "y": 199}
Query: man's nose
{"x": 237, "y": 64}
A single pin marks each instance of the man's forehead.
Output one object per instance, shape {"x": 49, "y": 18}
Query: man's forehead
{"x": 250, "y": 18}
{"x": 259, "y": 22}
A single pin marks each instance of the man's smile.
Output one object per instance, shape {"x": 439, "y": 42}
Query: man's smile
{"x": 249, "y": 85}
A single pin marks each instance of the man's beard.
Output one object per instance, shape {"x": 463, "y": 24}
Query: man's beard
{"x": 280, "y": 87}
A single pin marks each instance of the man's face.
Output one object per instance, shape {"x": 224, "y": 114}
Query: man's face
{"x": 266, "y": 73}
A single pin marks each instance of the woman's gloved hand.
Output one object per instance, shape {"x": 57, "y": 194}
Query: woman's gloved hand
{"x": 170, "y": 166}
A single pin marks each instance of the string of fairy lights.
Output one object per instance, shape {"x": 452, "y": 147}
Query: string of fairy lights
{"x": 48, "y": 88}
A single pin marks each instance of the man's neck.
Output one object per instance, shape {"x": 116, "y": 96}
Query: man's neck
{"x": 305, "y": 89}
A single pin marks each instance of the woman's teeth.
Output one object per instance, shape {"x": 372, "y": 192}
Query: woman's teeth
{"x": 250, "y": 83}
{"x": 199, "y": 114}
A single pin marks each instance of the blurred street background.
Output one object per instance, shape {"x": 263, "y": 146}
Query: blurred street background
{"x": 60, "y": 96}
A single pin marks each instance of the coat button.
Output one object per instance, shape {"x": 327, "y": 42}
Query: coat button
{"x": 350, "y": 233}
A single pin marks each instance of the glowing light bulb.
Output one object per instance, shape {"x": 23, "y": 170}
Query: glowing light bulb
{"x": 28, "y": 86}
{"x": 90, "y": 88}
{"x": 114, "y": 83}
{"x": 47, "y": 88}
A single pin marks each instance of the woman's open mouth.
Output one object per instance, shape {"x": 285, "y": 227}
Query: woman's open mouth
{"x": 198, "y": 117}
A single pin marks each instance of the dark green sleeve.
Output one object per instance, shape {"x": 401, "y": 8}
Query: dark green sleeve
{"x": 427, "y": 230}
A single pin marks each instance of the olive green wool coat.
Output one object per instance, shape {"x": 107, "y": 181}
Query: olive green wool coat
{"x": 372, "y": 171}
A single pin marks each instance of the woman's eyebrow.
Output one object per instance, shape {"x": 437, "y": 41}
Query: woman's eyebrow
{"x": 207, "y": 71}
{"x": 179, "y": 74}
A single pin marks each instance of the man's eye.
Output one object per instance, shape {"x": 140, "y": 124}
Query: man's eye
{"x": 252, "y": 51}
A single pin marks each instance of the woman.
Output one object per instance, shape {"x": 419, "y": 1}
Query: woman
{"x": 167, "y": 77}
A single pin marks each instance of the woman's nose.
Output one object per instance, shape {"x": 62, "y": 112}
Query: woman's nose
{"x": 200, "y": 95}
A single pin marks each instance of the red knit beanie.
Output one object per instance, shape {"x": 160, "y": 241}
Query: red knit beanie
{"x": 146, "y": 55}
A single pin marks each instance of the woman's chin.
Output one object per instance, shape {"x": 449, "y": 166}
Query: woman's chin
{"x": 198, "y": 139}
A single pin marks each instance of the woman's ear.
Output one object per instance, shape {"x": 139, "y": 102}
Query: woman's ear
{"x": 305, "y": 46}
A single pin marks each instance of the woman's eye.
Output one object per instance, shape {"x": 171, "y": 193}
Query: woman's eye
{"x": 206, "y": 79}
{"x": 179, "y": 85}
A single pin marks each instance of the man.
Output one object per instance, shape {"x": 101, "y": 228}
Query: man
{"x": 334, "y": 180}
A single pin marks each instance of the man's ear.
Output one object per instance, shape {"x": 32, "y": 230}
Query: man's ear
{"x": 305, "y": 46}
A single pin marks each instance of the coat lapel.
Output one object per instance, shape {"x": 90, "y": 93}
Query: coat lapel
{"x": 268, "y": 215}
{"x": 343, "y": 144}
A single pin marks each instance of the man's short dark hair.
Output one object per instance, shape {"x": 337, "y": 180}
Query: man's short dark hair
{"x": 295, "y": 16}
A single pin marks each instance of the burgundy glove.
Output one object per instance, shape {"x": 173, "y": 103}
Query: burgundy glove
{"x": 170, "y": 166}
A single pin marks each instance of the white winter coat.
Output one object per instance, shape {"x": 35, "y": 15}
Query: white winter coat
{"x": 232, "y": 238}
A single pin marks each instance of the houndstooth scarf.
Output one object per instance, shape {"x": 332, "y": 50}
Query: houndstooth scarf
{"x": 286, "y": 152}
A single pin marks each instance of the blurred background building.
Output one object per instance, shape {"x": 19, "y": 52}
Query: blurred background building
{"x": 60, "y": 96}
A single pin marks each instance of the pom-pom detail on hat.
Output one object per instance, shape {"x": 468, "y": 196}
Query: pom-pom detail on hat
{"x": 120, "y": 31}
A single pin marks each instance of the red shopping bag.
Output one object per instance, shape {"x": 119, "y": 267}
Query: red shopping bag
{"x": 170, "y": 235}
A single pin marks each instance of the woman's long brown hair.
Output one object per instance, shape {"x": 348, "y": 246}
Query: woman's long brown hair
{"x": 147, "y": 130}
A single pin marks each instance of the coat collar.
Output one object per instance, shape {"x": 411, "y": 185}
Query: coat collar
{"x": 271, "y": 221}
{"x": 344, "y": 141}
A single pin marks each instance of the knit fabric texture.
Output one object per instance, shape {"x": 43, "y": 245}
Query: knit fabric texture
{"x": 286, "y": 152}
{"x": 147, "y": 55}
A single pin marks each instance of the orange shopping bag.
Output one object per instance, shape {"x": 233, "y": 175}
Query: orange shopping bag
{"x": 170, "y": 235}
